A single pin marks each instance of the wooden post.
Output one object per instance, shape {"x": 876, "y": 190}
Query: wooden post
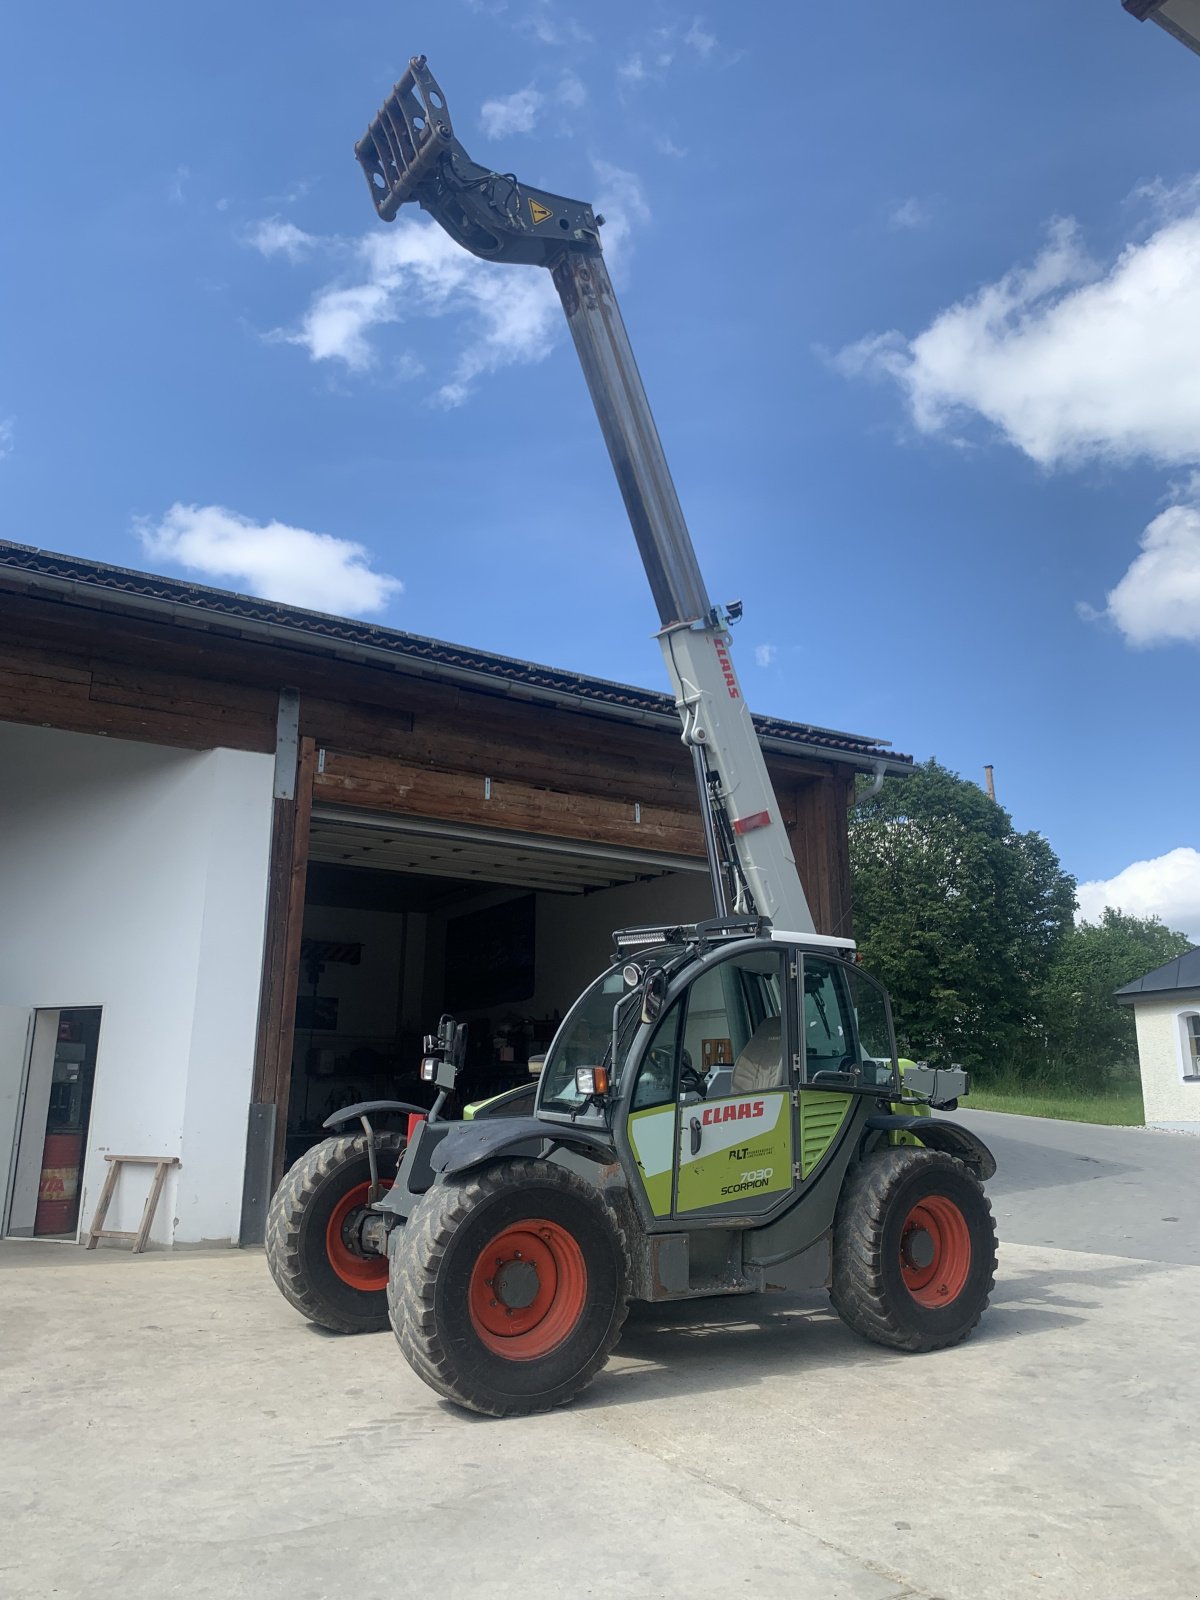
{"x": 281, "y": 956}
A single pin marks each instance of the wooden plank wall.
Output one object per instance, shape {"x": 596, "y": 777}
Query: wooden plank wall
{"x": 395, "y": 742}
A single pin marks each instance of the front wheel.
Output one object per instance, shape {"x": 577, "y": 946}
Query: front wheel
{"x": 508, "y": 1287}
{"x": 914, "y": 1250}
{"x": 312, "y": 1246}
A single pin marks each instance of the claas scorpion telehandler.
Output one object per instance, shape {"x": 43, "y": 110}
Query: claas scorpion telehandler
{"x": 505, "y": 1249}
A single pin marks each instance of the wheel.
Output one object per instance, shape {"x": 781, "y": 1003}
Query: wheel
{"x": 508, "y": 1287}
{"x": 309, "y": 1249}
{"x": 914, "y": 1250}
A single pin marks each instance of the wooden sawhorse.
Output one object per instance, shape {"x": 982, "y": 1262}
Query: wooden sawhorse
{"x": 98, "y": 1231}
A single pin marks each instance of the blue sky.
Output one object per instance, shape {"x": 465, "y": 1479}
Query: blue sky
{"x": 915, "y": 291}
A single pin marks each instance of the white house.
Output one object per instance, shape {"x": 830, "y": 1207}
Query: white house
{"x": 1166, "y": 1006}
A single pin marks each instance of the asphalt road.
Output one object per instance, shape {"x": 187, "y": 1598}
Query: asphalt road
{"x": 1118, "y": 1191}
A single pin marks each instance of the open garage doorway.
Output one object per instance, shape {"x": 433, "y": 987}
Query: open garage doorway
{"x": 405, "y": 919}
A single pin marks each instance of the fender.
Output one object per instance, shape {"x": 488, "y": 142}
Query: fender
{"x": 935, "y": 1134}
{"x": 365, "y": 1107}
{"x": 470, "y": 1144}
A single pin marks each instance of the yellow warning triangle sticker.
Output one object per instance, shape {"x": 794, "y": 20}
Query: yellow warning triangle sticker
{"x": 538, "y": 211}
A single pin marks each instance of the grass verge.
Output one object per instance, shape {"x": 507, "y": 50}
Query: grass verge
{"x": 1121, "y": 1107}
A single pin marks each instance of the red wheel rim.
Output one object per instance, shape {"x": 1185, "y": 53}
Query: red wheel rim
{"x": 935, "y": 1251}
{"x": 528, "y": 1289}
{"x": 360, "y": 1272}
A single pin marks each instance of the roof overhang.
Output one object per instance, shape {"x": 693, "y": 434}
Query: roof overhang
{"x": 200, "y": 609}
{"x": 1175, "y": 996}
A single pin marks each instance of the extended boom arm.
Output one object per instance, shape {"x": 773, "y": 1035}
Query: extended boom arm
{"x": 410, "y": 153}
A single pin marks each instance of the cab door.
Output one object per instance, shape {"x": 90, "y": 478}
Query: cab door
{"x": 711, "y": 1122}
{"x": 846, "y": 1046}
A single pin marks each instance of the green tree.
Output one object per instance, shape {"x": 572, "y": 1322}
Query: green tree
{"x": 1088, "y": 1035}
{"x": 959, "y": 915}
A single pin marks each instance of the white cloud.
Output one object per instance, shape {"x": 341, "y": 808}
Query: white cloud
{"x": 273, "y": 237}
{"x": 278, "y": 562}
{"x": 621, "y": 201}
{"x": 570, "y": 92}
{"x": 666, "y": 146}
{"x": 1167, "y": 886}
{"x": 175, "y": 188}
{"x": 632, "y": 71}
{"x": 1158, "y": 599}
{"x": 1068, "y": 359}
{"x": 515, "y": 113}
{"x": 414, "y": 270}
{"x": 702, "y": 42}
{"x": 7, "y": 434}
{"x": 764, "y": 654}
{"x": 908, "y": 214}
{"x": 550, "y": 27}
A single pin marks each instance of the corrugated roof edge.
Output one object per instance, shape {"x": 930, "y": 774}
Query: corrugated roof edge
{"x": 343, "y": 635}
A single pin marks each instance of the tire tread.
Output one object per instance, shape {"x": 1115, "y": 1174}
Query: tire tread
{"x": 418, "y": 1258}
{"x": 860, "y": 1292}
{"x": 289, "y": 1204}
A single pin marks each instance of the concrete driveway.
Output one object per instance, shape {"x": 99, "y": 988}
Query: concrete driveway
{"x": 169, "y": 1427}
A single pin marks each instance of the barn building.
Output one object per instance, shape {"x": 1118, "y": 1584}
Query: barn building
{"x": 250, "y": 853}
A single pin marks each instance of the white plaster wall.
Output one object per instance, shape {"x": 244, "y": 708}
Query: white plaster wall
{"x": 233, "y": 799}
{"x": 134, "y": 878}
{"x": 1167, "y": 1098}
{"x": 574, "y": 932}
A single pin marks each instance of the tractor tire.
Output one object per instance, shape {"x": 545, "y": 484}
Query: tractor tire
{"x": 310, "y": 1261}
{"x": 914, "y": 1250}
{"x": 509, "y": 1286}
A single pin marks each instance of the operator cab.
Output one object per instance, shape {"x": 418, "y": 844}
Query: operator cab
{"x": 726, "y": 1058}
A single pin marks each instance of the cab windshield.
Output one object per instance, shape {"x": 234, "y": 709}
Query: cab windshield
{"x": 608, "y": 1010}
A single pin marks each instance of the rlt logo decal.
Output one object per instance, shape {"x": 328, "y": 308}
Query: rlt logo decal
{"x": 727, "y": 672}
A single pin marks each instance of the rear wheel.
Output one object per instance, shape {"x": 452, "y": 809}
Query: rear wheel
{"x": 914, "y": 1250}
{"x": 508, "y": 1287}
{"x": 312, "y": 1247}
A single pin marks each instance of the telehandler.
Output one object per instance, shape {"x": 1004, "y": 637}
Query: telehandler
{"x": 722, "y": 1111}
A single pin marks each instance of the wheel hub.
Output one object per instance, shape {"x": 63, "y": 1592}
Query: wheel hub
{"x": 919, "y": 1250}
{"x": 352, "y": 1232}
{"x": 935, "y": 1251}
{"x": 516, "y": 1284}
{"x": 528, "y": 1289}
{"x": 343, "y": 1242}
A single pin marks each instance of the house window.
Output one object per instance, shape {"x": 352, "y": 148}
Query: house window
{"x": 1190, "y": 1025}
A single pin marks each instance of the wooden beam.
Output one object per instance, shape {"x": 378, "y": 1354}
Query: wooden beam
{"x": 281, "y": 948}
{"x": 386, "y": 784}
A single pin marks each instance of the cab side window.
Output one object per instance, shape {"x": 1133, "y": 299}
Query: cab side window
{"x": 733, "y": 1040}
{"x": 825, "y": 1020}
{"x": 876, "y": 1044}
{"x": 657, "y": 1074}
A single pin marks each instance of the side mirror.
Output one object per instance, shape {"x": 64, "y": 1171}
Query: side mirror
{"x": 654, "y": 994}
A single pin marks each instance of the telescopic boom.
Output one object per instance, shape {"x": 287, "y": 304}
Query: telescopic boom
{"x": 410, "y": 153}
